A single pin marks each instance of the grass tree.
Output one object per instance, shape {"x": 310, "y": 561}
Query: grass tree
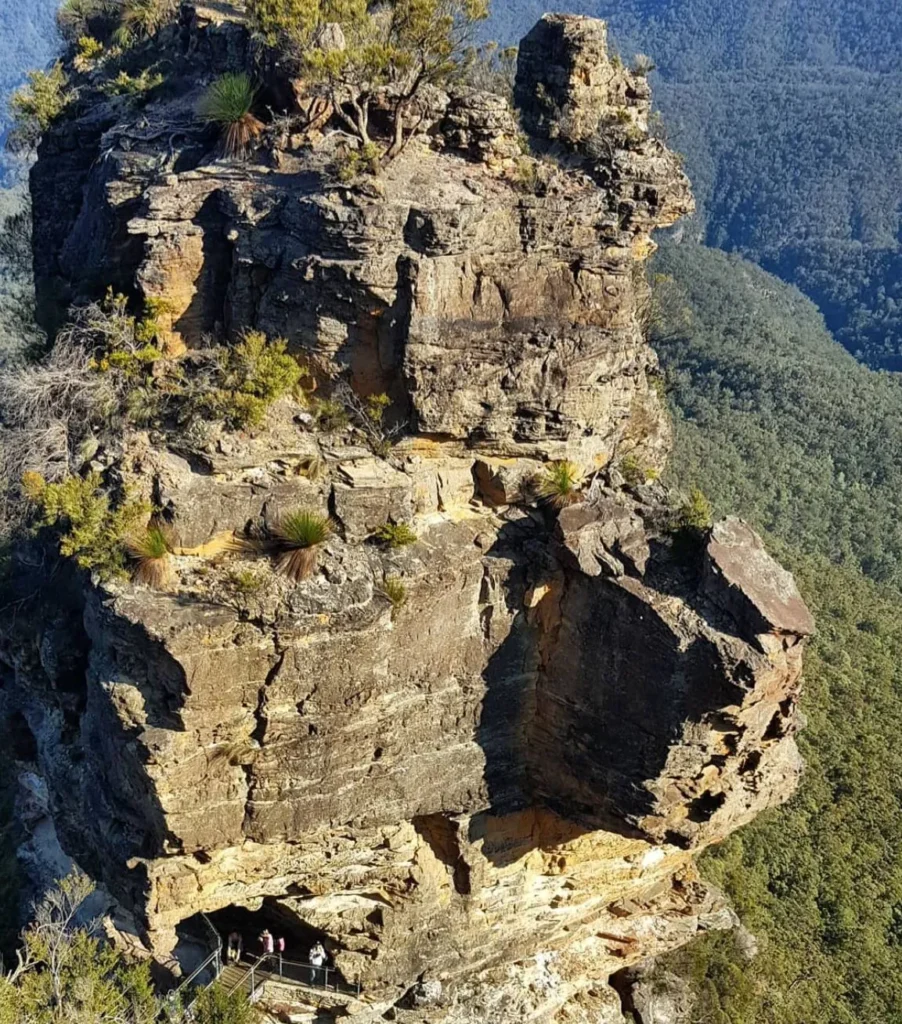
{"x": 228, "y": 103}
{"x": 300, "y": 535}
{"x": 394, "y": 589}
{"x": 150, "y": 552}
{"x": 560, "y": 483}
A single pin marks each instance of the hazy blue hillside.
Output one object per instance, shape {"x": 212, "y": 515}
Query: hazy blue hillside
{"x": 790, "y": 115}
{"x": 697, "y": 37}
{"x": 28, "y": 40}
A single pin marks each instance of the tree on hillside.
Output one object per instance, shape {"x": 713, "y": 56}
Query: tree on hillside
{"x": 66, "y": 974}
{"x": 358, "y": 54}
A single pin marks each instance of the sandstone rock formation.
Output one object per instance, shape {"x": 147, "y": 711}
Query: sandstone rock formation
{"x": 496, "y": 791}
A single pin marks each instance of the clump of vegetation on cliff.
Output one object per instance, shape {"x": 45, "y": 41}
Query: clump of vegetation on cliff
{"x": 359, "y": 56}
{"x": 394, "y": 589}
{"x": 560, "y": 483}
{"x": 66, "y": 972}
{"x": 228, "y": 103}
{"x": 92, "y": 530}
{"x": 38, "y": 104}
{"x": 107, "y": 369}
{"x": 150, "y": 551}
{"x": 300, "y": 535}
{"x": 247, "y": 378}
{"x": 395, "y": 535}
{"x": 140, "y": 19}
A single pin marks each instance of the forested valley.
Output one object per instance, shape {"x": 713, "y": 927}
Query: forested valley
{"x": 776, "y": 422}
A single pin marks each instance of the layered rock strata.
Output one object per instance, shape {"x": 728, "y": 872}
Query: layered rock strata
{"x": 499, "y": 786}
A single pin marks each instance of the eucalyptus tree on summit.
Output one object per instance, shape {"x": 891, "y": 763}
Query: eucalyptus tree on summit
{"x": 357, "y": 53}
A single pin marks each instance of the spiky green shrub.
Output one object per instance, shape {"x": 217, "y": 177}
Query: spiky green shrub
{"x": 395, "y": 535}
{"x": 300, "y": 534}
{"x": 228, "y": 103}
{"x": 90, "y": 50}
{"x": 394, "y": 589}
{"x": 91, "y": 530}
{"x": 560, "y": 483}
{"x": 39, "y": 103}
{"x": 150, "y": 551}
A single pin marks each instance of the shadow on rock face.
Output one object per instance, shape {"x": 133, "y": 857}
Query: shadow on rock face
{"x": 657, "y": 704}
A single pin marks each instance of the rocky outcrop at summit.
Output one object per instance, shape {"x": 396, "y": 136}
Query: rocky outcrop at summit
{"x": 486, "y": 799}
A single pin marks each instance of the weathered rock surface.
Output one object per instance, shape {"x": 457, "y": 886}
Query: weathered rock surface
{"x": 486, "y": 801}
{"x": 655, "y": 996}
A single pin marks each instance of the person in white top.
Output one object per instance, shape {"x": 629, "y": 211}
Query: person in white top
{"x": 317, "y": 959}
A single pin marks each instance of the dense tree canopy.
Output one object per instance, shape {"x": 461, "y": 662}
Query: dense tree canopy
{"x": 775, "y": 421}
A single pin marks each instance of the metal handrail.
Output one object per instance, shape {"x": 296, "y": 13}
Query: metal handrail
{"x": 214, "y": 956}
{"x": 214, "y": 931}
{"x": 318, "y": 970}
{"x": 249, "y": 973}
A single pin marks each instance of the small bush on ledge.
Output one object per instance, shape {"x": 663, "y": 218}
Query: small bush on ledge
{"x": 351, "y": 164}
{"x": 635, "y": 472}
{"x": 249, "y": 377}
{"x": 696, "y": 512}
{"x": 135, "y": 86}
{"x": 244, "y": 581}
{"x": 38, "y": 104}
{"x": 91, "y": 530}
{"x": 90, "y": 52}
{"x": 395, "y": 535}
